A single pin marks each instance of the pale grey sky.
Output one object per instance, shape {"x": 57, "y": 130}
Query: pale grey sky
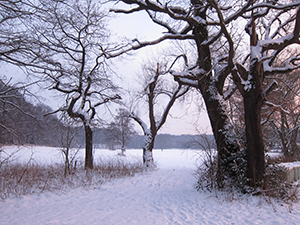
{"x": 182, "y": 119}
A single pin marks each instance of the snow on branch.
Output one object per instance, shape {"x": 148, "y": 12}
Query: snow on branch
{"x": 188, "y": 76}
{"x": 276, "y": 106}
{"x": 291, "y": 64}
{"x": 136, "y": 44}
{"x": 175, "y": 12}
{"x": 230, "y": 92}
{"x": 271, "y": 5}
{"x": 241, "y": 78}
{"x": 278, "y": 43}
{"x": 137, "y": 9}
{"x": 140, "y": 122}
{"x": 186, "y": 81}
{"x": 282, "y": 42}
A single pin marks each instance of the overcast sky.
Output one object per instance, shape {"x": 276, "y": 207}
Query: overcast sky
{"x": 182, "y": 119}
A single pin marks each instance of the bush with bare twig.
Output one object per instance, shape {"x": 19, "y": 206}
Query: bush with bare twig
{"x": 273, "y": 186}
{"x": 276, "y": 185}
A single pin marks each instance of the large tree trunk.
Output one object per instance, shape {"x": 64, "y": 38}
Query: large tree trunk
{"x": 224, "y": 134}
{"x": 147, "y": 150}
{"x": 252, "y": 106}
{"x": 255, "y": 146}
{"x": 88, "y": 147}
{"x": 211, "y": 91}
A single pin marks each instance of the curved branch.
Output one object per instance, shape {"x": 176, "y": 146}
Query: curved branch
{"x": 139, "y": 121}
{"x": 281, "y": 43}
{"x": 273, "y": 6}
{"x": 140, "y": 45}
{"x": 137, "y": 9}
{"x": 290, "y": 65}
{"x": 177, "y": 94}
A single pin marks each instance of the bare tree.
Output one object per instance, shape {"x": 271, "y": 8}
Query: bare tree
{"x": 66, "y": 41}
{"x": 264, "y": 50}
{"x": 190, "y": 21}
{"x": 120, "y": 131}
{"x": 153, "y": 89}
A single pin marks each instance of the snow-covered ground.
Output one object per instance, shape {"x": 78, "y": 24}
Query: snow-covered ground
{"x": 164, "y": 196}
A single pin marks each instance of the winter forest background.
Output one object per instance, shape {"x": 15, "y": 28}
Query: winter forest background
{"x": 72, "y": 75}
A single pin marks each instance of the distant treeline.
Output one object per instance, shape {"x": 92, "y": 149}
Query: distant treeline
{"x": 22, "y": 122}
{"x": 168, "y": 141}
{"x": 162, "y": 141}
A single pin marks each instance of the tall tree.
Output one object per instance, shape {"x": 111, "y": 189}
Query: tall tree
{"x": 153, "y": 89}
{"x": 64, "y": 47}
{"x": 279, "y": 33}
{"x": 120, "y": 130}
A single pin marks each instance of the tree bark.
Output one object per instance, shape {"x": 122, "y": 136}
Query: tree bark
{"x": 88, "y": 147}
{"x": 255, "y": 146}
{"x": 224, "y": 134}
{"x": 147, "y": 150}
{"x": 253, "y": 102}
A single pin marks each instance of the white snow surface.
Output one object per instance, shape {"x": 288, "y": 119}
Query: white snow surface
{"x": 163, "y": 196}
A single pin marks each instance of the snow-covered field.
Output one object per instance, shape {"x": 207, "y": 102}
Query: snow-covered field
{"x": 164, "y": 196}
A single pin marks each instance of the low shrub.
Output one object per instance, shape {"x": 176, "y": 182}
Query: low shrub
{"x": 274, "y": 185}
{"x": 233, "y": 175}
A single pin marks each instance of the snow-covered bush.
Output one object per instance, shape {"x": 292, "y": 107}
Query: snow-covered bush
{"x": 274, "y": 184}
{"x": 235, "y": 178}
{"x": 211, "y": 175}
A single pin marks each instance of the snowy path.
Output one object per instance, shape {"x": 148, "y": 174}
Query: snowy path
{"x": 165, "y": 196}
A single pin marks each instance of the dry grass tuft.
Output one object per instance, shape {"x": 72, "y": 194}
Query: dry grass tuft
{"x": 17, "y": 179}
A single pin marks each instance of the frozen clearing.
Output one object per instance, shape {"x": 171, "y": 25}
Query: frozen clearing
{"x": 164, "y": 196}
